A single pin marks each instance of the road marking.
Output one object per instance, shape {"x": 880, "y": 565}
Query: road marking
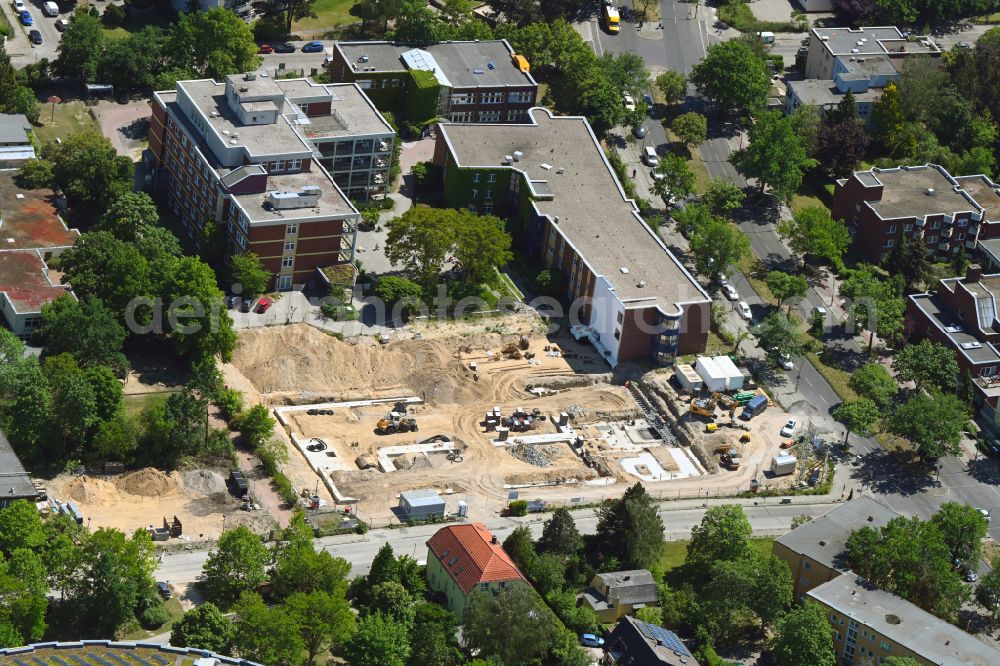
{"x": 806, "y": 380}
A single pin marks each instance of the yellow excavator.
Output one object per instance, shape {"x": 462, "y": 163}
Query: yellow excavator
{"x": 395, "y": 422}
{"x": 703, "y": 407}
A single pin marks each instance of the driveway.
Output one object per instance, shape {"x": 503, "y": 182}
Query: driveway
{"x": 126, "y": 125}
{"x": 310, "y": 64}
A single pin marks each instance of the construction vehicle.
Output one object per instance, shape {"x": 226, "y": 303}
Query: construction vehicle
{"x": 711, "y": 427}
{"x": 703, "y": 407}
{"x": 731, "y": 457}
{"x": 745, "y": 438}
{"x": 725, "y": 401}
{"x": 612, "y": 20}
{"x": 395, "y": 422}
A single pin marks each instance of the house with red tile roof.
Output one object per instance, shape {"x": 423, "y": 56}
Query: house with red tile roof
{"x": 462, "y": 559}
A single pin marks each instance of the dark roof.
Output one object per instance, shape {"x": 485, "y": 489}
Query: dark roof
{"x": 14, "y": 481}
{"x": 824, "y": 538}
{"x": 14, "y": 128}
{"x": 642, "y": 644}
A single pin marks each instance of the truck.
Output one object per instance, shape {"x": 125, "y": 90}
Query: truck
{"x": 754, "y": 407}
{"x": 612, "y": 20}
{"x": 238, "y": 483}
{"x": 783, "y": 464}
{"x": 731, "y": 458}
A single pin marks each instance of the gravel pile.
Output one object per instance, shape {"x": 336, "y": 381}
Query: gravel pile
{"x": 530, "y": 454}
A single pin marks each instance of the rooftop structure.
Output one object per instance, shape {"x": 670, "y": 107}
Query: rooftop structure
{"x": 15, "y": 483}
{"x": 120, "y": 653}
{"x": 826, "y": 45}
{"x": 29, "y": 219}
{"x": 478, "y": 64}
{"x": 634, "y": 642}
{"x": 896, "y": 626}
{"x": 26, "y": 284}
{"x": 471, "y": 555}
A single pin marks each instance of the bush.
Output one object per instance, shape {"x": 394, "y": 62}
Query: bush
{"x": 391, "y": 289}
{"x": 230, "y": 403}
{"x": 518, "y": 508}
{"x": 114, "y": 16}
{"x": 283, "y": 486}
{"x": 154, "y": 616}
{"x": 36, "y": 174}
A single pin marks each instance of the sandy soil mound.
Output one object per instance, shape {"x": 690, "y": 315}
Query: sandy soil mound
{"x": 147, "y": 482}
{"x": 323, "y": 364}
{"x": 204, "y": 481}
{"x": 85, "y": 489}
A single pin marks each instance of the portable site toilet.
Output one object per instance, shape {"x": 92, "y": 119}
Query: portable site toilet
{"x": 711, "y": 373}
{"x": 733, "y": 376}
{"x": 420, "y": 505}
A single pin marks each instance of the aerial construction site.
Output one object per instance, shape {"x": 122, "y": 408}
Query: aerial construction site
{"x": 476, "y": 411}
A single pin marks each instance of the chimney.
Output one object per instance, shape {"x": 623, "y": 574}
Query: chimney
{"x": 494, "y": 540}
{"x": 973, "y": 273}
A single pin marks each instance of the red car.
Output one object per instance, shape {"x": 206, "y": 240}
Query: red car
{"x": 265, "y": 48}
{"x": 263, "y": 305}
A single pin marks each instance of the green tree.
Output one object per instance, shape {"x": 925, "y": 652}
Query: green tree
{"x": 776, "y": 156}
{"x": 874, "y": 304}
{"x": 214, "y": 43}
{"x": 130, "y": 214}
{"x": 419, "y": 240}
{"x": 205, "y": 627}
{"x": 433, "y": 641}
{"x": 376, "y": 14}
{"x": 887, "y": 118}
{"x": 256, "y": 425}
{"x": 804, "y": 636}
{"x": 723, "y": 535}
{"x": 108, "y": 394}
{"x": 384, "y": 567}
{"x": 560, "y": 535}
{"x": 27, "y": 411}
{"x": 928, "y": 365}
{"x": 910, "y": 558}
{"x": 86, "y": 329}
{"x": 988, "y": 590}
{"x": 23, "y": 100}
{"x": 733, "y": 77}
{"x": 324, "y": 620}
{"x": 812, "y": 231}
{"x": 626, "y": 71}
{"x": 302, "y": 569}
{"x": 908, "y": 258}
{"x": 512, "y": 626}
{"x": 378, "y": 641}
{"x": 203, "y": 327}
{"x": 235, "y": 566}
{"x": 548, "y": 572}
{"x": 89, "y": 170}
{"x": 786, "y": 287}
{"x": 932, "y": 423}
{"x": 392, "y": 600}
{"x": 80, "y": 47}
{"x": 691, "y": 128}
{"x": 112, "y": 270}
{"x": 481, "y": 245}
{"x": 673, "y": 85}
{"x": 23, "y": 587}
{"x": 722, "y": 197}
{"x": 858, "y": 416}
{"x": 874, "y": 382}
{"x": 580, "y": 619}
{"x": 247, "y": 270}
{"x": 266, "y": 635}
{"x": 677, "y": 178}
{"x": 391, "y": 289}
{"x": 717, "y": 245}
{"x": 20, "y": 527}
{"x": 10, "y": 636}
{"x": 779, "y": 333}
{"x": 900, "y": 661}
{"x": 630, "y": 529}
{"x": 74, "y": 408}
{"x": 761, "y": 585}
{"x": 963, "y": 528}
{"x": 520, "y": 547}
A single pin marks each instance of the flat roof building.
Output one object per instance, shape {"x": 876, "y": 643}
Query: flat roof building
{"x": 872, "y": 624}
{"x": 257, "y": 154}
{"x": 15, "y": 483}
{"x": 476, "y": 81}
{"x": 552, "y": 174}
{"x": 828, "y": 44}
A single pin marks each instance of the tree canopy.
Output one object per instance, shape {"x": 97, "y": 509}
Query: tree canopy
{"x": 927, "y": 364}
{"x": 236, "y": 566}
{"x": 776, "y": 156}
{"x": 722, "y": 535}
{"x": 630, "y": 529}
{"x": 732, "y": 76}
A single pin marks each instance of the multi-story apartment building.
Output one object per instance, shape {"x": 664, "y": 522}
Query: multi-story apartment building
{"x": 947, "y": 213}
{"x": 634, "y": 299}
{"x": 871, "y": 624}
{"x": 813, "y": 550}
{"x": 863, "y": 76}
{"x": 827, "y": 45}
{"x": 477, "y": 82}
{"x": 249, "y": 153}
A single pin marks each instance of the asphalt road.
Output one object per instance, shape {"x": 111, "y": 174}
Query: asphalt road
{"x": 22, "y": 52}
{"x": 768, "y": 520}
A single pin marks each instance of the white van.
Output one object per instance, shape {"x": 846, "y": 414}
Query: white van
{"x": 50, "y": 9}
{"x": 649, "y": 156}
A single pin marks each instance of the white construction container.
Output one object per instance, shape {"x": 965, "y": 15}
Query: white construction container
{"x": 687, "y": 378}
{"x": 734, "y": 378}
{"x": 710, "y": 373}
{"x": 783, "y": 464}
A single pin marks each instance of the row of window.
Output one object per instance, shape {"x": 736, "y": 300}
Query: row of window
{"x": 517, "y": 97}
{"x": 930, "y": 240}
{"x": 486, "y": 117}
{"x": 486, "y": 209}
{"x": 278, "y": 166}
{"x": 490, "y": 177}
{"x": 474, "y": 193}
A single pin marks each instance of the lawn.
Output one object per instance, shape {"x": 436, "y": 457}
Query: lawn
{"x": 329, "y": 14}
{"x": 174, "y": 606}
{"x": 70, "y": 118}
{"x": 673, "y": 554}
{"x": 740, "y": 16}
{"x": 701, "y": 178}
{"x": 134, "y": 404}
{"x": 748, "y": 265}
{"x": 836, "y": 377}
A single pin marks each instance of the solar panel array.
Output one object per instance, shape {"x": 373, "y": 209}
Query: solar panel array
{"x": 59, "y": 660}
{"x": 160, "y": 660}
{"x": 139, "y": 659}
{"x": 667, "y": 639}
{"x": 100, "y": 660}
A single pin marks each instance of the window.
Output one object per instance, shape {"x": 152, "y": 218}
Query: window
{"x": 936, "y": 224}
{"x": 465, "y": 117}
{"x": 493, "y": 98}
{"x": 621, "y": 318}
{"x": 475, "y": 193}
{"x": 963, "y": 223}
{"x": 803, "y": 581}
{"x": 515, "y": 116}
{"x": 272, "y": 166}
{"x": 889, "y": 243}
{"x": 491, "y": 178}
{"x": 295, "y": 165}
{"x": 286, "y": 262}
{"x": 932, "y": 239}
{"x": 364, "y": 83}
{"x": 32, "y": 322}
{"x": 891, "y": 229}
{"x": 489, "y": 194}
{"x": 908, "y": 228}
{"x": 960, "y": 236}
{"x": 489, "y": 117}
{"x": 487, "y": 209}
{"x": 521, "y": 97}
{"x": 988, "y": 372}
{"x": 291, "y": 229}
{"x": 807, "y": 566}
{"x": 463, "y": 99}
{"x": 475, "y": 177}
{"x": 289, "y": 246}
{"x": 618, "y": 334}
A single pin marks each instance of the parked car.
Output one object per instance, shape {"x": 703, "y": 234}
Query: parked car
{"x": 590, "y": 640}
{"x": 648, "y": 99}
{"x": 265, "y": 49}
{"x": 656, "y": 175}
{"x": 18, "y": 6}
{"x": 650, "y": 157}
{"x": 61, "y": 24}
{"x": 639, "y": 131}
{"x": 312, "y": 47}
{"x": 744, "y": 309}
{"x": 26, "y": 18}
{"x": 264, "y": 305}
{"x": 35, "y": 37}
{"x": 729, "y": 291}
{"x": 971, "y": 576}
{"x": 233, "y": 302}
{"x": 986, "y": 514}
{"x": 287, "y": 47}
{"x": 789, "y": 428}
{"x": 785, "y": 361}
{"x": 164, "y": 590}
{"x": 247, "y": 304}
{"x": 629, "y": 102}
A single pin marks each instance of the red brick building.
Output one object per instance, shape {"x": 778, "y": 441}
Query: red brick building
{"x": 947, "y": 213}
{"x": 248, "y": 153}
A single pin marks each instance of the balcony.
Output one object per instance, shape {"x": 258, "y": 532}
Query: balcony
{"x": 382, "y": 146}
{"x": 943, "y": 246}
